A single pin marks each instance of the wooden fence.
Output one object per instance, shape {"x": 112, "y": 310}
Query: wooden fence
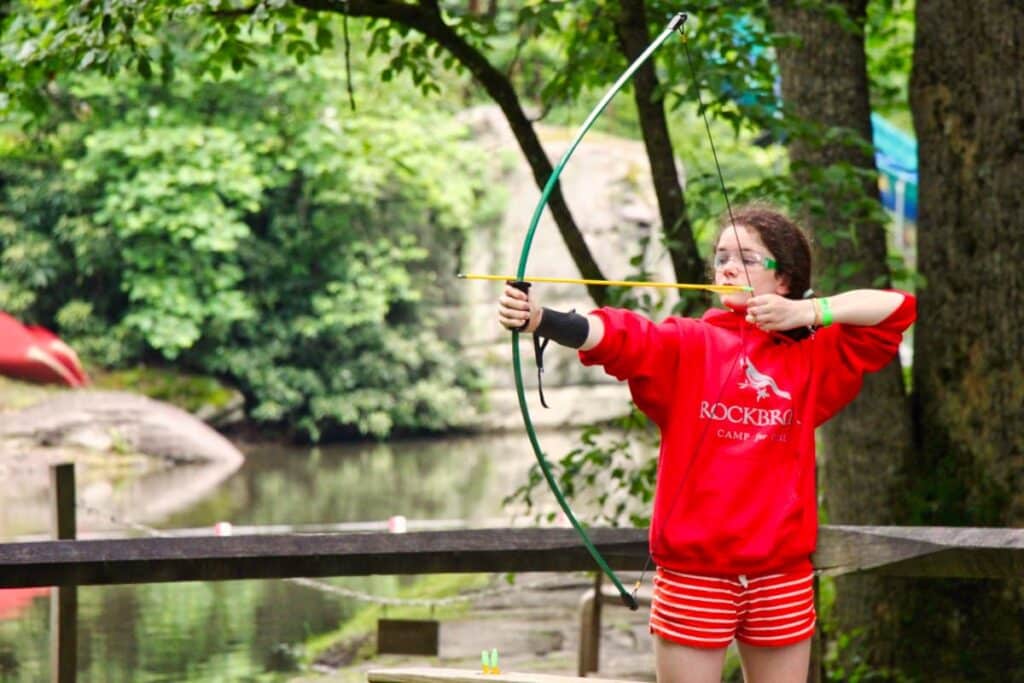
{"x": 936, "y": 552}
{"x": 939, "y": 552}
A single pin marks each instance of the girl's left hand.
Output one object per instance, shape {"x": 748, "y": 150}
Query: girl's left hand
{"x": 774, "y": 313}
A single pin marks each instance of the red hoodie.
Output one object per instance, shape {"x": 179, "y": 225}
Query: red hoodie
{"x": 737, "y": 408}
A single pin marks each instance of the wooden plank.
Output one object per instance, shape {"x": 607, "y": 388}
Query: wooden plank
{"x": 212, "y": 558}
{"x": 938, "y": 552}
{"x": 428, "y": 675}
{"x": 408, "y": 636}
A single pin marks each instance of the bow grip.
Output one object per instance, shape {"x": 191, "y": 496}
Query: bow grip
{"x": 524, "y": 287}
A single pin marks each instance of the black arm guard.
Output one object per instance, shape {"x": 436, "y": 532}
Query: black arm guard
{"x": 568, "y": 329}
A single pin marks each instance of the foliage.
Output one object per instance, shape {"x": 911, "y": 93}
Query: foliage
{"x": 246, "y": 227}
{"x": 191, "y": 392}
{"x": 166, "y": 206}
{"x": 889, "y": 43}
{"x": 44, "y": 39}
{"x": 612, "y": 469}
{"x": 844, "y": 662}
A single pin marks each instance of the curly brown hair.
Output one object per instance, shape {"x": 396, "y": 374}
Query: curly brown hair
{"x": 782, "y": 237}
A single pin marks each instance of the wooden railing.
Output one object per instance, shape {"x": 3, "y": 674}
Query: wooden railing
{"x": 936, "y": 552}
{"x": 939, "y": 552}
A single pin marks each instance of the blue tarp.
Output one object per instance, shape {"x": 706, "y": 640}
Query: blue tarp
{"x": 896, "y": 158}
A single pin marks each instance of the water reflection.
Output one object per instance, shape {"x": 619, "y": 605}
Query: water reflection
{"x": 462, "y": 479}
{"x": 109, "y": 496}
{"x": 244, "y": 629}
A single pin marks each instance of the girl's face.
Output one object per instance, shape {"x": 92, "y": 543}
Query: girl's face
{"x": 729, "y": 262}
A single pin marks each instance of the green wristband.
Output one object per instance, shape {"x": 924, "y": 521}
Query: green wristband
{"x": 826, "y": 312}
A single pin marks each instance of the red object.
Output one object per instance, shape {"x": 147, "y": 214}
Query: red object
{"x": 35, "y": 354}
{"x": 13, "y": 601}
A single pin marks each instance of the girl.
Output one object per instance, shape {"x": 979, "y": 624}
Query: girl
{"x": 736, "y": 396}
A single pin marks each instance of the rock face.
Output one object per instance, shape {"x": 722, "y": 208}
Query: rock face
{"x": 608, "y": 188}
{"x": 111, "y": 421}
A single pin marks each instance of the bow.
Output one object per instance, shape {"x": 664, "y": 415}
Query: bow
{"x": 675, "y": 23}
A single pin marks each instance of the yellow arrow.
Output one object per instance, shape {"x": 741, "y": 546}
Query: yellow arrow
{"x": 720, "y": 289}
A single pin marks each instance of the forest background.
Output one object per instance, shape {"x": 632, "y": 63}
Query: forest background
{"x": 272, "y": 193}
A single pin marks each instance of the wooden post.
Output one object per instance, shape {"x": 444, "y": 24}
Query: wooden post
{"x": 589, "y": 654}
{"x": 408, "y": 637}
{"x": 63, "y": 600}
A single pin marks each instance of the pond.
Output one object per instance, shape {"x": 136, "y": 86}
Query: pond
{"x": 248, "y": 630}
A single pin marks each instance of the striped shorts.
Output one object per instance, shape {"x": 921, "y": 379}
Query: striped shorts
{"x": 771, "y": 610}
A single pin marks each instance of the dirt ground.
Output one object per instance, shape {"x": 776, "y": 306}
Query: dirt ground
{"x": 535, "y": 629}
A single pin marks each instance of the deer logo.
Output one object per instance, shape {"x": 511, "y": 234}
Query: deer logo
{"x": 760, "y": 382}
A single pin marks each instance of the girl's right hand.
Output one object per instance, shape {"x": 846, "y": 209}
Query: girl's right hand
{"x": 515, "y": 308}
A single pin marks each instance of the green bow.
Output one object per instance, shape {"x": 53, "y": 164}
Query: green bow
{"x": 675, "y": 23}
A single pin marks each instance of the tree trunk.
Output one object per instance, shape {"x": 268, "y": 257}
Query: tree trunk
{"x": 967, "y": 97}
{"x": 631, "y": 28}
{"x": 824, "y": 80}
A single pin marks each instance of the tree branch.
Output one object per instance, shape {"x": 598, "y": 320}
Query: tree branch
{"x": 425, "y": 18}
{"x": 631, "y": 29}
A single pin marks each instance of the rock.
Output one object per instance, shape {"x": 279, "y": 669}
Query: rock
{"x": 120, "y": 422}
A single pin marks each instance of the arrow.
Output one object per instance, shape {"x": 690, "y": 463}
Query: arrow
{"x": 720, "y": 289}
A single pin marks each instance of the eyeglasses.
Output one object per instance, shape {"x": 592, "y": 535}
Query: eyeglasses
{"x": 749, "y": 259}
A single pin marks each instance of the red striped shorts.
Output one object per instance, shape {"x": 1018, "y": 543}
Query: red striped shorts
{"x": 771, "y": 610}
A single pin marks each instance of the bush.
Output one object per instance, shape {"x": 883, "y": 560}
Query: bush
{"x": 247, "y": 228}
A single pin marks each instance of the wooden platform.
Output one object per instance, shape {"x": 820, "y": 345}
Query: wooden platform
{"x": 429, "y": 675}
